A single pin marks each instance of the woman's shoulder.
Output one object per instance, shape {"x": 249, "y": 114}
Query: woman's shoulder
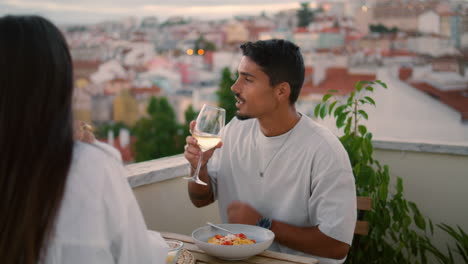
{"x": 96, "y": 182}
{"x": 97, "y": 150}
{"x": 93, "y": 164}
{"x": 95, "y": 197}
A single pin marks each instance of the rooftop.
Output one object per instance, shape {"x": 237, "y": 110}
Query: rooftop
{"x": 336, "y": 78}
{"x": 457, "y": 100}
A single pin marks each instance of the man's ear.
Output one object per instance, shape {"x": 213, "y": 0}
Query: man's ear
{"x": 283, "y": 91}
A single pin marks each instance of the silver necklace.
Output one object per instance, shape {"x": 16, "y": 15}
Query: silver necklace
{"x": 262, "y": 173}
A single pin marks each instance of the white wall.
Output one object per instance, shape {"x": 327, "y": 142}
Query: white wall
{"x": 434, "y": 46}
{"x": 167, "y": 207}
{"x": 429, "y": 22}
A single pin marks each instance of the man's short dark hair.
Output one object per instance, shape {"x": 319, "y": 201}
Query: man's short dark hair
{"x": 281, "y": 60}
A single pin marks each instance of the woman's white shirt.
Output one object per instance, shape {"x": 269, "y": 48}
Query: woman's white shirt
{"x": 100, "y": 221}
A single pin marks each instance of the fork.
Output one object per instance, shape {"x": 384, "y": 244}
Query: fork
{"x": 220, "y": 228}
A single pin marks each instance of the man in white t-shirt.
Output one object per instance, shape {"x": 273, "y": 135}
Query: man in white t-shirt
{"x": 277, "y": 168}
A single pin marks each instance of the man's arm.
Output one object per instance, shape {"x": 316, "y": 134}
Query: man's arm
{"x": 306, "y": 239}
{"x": 201, "y": 195}
{"x": 309, "y": 240}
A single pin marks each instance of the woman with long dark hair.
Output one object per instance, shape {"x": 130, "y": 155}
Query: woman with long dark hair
{"x": 60, "y": 201}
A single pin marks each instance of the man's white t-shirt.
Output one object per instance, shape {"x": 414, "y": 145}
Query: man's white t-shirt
{"x": 99, "y": 221}
{"x": 308, "y": 179}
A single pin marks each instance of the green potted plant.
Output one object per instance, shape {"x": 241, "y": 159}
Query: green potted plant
{"x": 397, "y": 227}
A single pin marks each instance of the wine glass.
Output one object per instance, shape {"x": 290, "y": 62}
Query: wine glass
{"x": 207, "y": 130}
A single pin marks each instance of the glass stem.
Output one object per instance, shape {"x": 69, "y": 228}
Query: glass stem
{"x": 197, "y": 171}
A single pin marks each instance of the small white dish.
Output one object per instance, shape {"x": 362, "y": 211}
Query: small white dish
{"x": 174, "y": 250}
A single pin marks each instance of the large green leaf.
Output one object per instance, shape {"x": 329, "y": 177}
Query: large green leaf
{"x": 323, "y": 111}
{"x": 347, "y": 128}
{"x": 317, "y": 110}
{"x": 384, "y": 85}
{"x": 358, "y": 86}
{"x": 414, "y": 207}
{"x": 330, "y": 108}
{"x": 340, "y": 110}
{"x": 326, "y": 97}
{"x": 383, "y": 192}
{"x": 370, "y": 100}
{"x": 351, "y": 97}
{"x": 419, "y": 221}
{"x": 340, "y": 120}
{"x": 399, "y": 185}
{"x": 363, "y": 114}
{"x": 362, "y": 129}
{"x": 370, "y": 88}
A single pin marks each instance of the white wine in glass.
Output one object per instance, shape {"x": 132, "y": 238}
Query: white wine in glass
{"x": 206, "y": 142}
{"x": 207, "y": 131}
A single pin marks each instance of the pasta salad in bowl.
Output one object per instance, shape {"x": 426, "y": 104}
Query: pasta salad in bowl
{"x": 247, "y": 241}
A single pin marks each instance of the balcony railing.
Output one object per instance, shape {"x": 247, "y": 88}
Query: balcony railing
{"x": 435, "y": 177}
{"x": 162, "y": 195}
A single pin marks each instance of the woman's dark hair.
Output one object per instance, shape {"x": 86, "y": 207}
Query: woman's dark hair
{"x": 281, "y": 60}
{"x": 36, "y": 138}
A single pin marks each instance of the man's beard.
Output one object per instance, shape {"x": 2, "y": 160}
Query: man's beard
{"x": 242, "y": 117}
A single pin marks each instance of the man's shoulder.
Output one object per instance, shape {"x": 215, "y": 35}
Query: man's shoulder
{"x": 310, "y": 128}
{"x": 317, "y": 135}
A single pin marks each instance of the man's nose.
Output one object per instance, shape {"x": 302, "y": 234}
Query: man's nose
{"x": 235, "y": 87}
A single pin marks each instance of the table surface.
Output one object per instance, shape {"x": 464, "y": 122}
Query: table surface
{"x": 264, "y": 257}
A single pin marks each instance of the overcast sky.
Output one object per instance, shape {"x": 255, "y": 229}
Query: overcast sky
{"x": 91, "y": 11}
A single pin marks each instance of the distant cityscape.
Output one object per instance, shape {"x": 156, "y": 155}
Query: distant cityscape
{"x": 419, "y": 48}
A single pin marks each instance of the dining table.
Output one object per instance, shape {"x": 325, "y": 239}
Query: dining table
{"x": 198, "y": 256}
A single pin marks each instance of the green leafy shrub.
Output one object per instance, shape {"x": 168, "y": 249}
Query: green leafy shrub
{"x": 461, "y": 243}
{"x": 397, "y": 225}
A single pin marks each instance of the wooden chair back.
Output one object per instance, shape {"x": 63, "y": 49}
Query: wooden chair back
{"x": 363, "y": 204}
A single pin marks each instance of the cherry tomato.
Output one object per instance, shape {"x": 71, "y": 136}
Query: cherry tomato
{"x": 241, "y": 235}
{"x": 228, "y": 243}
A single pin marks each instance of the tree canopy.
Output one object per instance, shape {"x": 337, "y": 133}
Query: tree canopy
{"x": 305, "y": 15}
{"x": 158, "y": 134}
{"x": 226, "y": 98}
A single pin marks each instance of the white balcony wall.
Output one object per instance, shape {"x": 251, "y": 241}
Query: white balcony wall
{"x": 162, "y": 195}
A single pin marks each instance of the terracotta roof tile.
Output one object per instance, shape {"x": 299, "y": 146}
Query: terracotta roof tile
{"x": 301, "y": 30}
{"x": 455, "y": 99}
{"x": 330, "y": 30}
{"x": 336, "y": 78}
{"x": 396, "y": 53}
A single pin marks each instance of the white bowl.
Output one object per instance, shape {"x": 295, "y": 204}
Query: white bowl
{"x": 262, "y": 236}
